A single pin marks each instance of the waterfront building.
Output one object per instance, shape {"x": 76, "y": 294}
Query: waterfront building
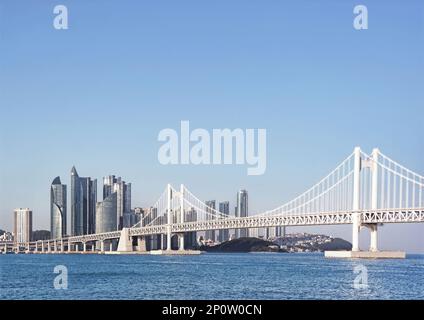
{"x": 22, "y": 225}
{"x": 224, "y": 235}
{"x": 83, "y": 204}
{"x": 275, "y": 232}
{"x": 190, "y": 238}
{"x": 210, "y": 208}
{"x": 106, "y": 218}
{"x": 242, "y": 210}
{"x": 58, "y": 205}
{"x": 113, "y": 184}
{"x": 130, "y": 219}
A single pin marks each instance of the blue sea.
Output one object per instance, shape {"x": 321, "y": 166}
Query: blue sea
{"x": 241, "y": 276}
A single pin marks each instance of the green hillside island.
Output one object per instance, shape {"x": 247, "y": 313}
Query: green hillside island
{"x": 291, "y": 243}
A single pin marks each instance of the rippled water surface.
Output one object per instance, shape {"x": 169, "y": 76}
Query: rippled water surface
{"x": 209, "y": 276}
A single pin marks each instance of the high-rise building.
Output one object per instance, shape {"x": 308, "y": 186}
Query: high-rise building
{"x": 242, "y": 210}
{"x": 112, "y": 184}
{"x": 83, "y": 204}
{"x": 190, "y": 238}
{"x": 224, "y": 235}
{"x": 275, "y": 232}
{"x": 106, "y": 219}
{"x": 130, "y": 219}
{"x": 23, "y": 225}
{"x": 210, "y": 209}
{"x": 140, "y": 213}
{"x": 58, "y": 206}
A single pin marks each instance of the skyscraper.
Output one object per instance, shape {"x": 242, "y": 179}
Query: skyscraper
{"x": 275, "y": 232}
{"x": 106, "y": 219}
{"x": 242, "y": 210}
{"x": 112, "y": 184}
{"x": 224, "y": 235}
{"x": 190, "y": 238}
{"x": 22, "y": 230}
{"x": 58, "y": 206}
{"x": 211, "y": 206}
{"x": 83, "y": 204}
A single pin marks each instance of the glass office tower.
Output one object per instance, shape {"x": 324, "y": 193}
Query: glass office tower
{"x": 106, "y": 214}
{"x": 22, "y": 230}
{"x": 112, "y": 184}
{"x": 83, "y": 204}
{"x": 242, "y": 210}
{"x": 58, "y": 206}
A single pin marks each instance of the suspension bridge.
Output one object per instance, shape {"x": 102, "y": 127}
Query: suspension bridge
{"x": 363, "y": 190}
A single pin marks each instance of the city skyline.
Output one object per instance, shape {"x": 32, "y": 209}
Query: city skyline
{"x": 107, "y": 189}
{"x": 107, "y": 213}
{"x": 319, "y": 92}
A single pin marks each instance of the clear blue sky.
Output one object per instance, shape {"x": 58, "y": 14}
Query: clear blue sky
{"x": 96, "y": 95}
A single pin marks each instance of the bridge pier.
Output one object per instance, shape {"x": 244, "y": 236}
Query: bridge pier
{"x": 168, "y": 238}
{"x": 181, "y": 241}
{"x": 141, "y": 244}
{"x": 84, "y": 247}
{"x": 125, "y": 243}
{"x": 373, "y": 231}
{"x": 356, "y": 228}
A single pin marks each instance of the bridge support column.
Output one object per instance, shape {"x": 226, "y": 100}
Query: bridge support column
{"x": 356, "y": 216}
{"x": 182, "y": 218}
{"x": 374, "y": 198}
{"x": 355, "y": 232}
{"x": 141, "y": 244}
{"x": 84, "y": 247}
{"x": 125, "y": 243}
{"x": 62, "y": 246}
{"x": 49, "y": 248}
{"x": 181, "y": 241}
{"x": 102, "y": 246}
{"x": 168, "y": 238}
{"x": 374, "y": 243}
{"x": 69, "y": 246}
{"x": 169, "y": 216}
